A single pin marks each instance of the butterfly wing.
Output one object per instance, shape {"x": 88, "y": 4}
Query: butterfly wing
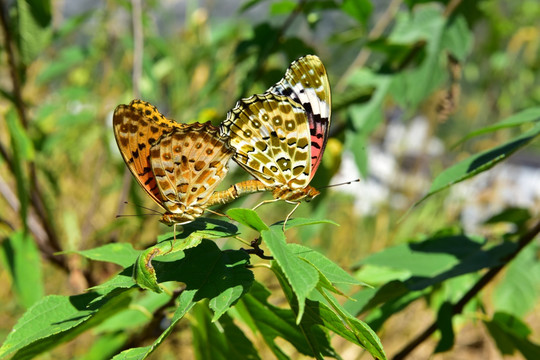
{"x": 188, "y": 163}
{"x": 270, "y": 136}
{"x": 306, "y": 82}
{"x": 137, "y": 127}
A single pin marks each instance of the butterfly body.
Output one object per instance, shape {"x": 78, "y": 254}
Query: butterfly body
{"x": 178, "y": 165}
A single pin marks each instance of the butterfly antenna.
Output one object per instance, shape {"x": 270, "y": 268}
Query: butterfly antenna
{"x": 343, "y": 183}
{"x": 145, "y": 208}
{"x": 130, "y": 215}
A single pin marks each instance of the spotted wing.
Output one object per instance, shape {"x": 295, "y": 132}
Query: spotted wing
{"x": 188, "y": 163}
{"x": 137, "y": 127}
{"x": 270, "y": 136}
{"x": 306, "y": 82}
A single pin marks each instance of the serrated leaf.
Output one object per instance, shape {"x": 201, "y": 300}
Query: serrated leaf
{"x": 338, "y": 320}
{"x": 248, "y": 217}
{"x": 301, "y": 276}
{"x": 23, "y": 262}
{"x": 530, "y": 115}
{"x": 56, "y": 319}
{"x": 221, "y": 276}
{"x": 122, "y": 254}
{"x": 480, "y": 162}
{"x": 330, "y": 270}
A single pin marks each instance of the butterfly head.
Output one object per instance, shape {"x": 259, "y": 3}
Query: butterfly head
{"x": 179, "y": 219}
{"x": 284, "y": 193}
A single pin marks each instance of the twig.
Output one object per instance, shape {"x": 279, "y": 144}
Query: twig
{"x": 480, "y": 284}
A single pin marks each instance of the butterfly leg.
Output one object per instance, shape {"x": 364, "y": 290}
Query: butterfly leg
{"x": 265, "y": 202}
{"x": 297, "y": 204}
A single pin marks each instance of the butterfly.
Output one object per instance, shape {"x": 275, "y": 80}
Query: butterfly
{"x": 279, "y": 137}
{"x": 178, "y": 165}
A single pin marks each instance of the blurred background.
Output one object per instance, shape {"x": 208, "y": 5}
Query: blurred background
{"x": 409, "y": 80}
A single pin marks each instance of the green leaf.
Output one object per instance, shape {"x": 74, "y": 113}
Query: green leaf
{"x": 433, "y": 261}
{"x": 513, "y": 215}
{"x": 511, "y": 334}
{"x": 23, "y": 262}
{"x": 35, "y": 33}
{"x": 366, "y": 117}
{"x": 444, "y": 324}
{"x": 144, "y": 273}
{"x": 22, "y": 153}
{"x": 424, "y": 24}
{"x": 57, "y": 319}
{"x": 186, "y": 302}
{"x": 273, "y": 322}
{"x": 282, "y": 7}
{"x": 326, "y": 268}
{"x": 218, "y": 340}
{"x": 517, "y": 294}
{"x": 221, "y": 276}
{"x": 345, "y": 325}
{"x": 122, "y": 254}
{"x": 68, "y": 58}
{"x": 249, "y": 218}
{"x": 136, "y": 316}
{"x": 530, "y": 115}
{"x": 301, "y": 276}
{"x": 191, "y": 236}
{"x": 204, "y": 228}
{"x": 358, "y": 9}
{"x": 480, "y": 162}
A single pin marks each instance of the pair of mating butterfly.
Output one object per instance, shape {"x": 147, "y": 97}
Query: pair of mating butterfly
{"x": 278, "y": 137}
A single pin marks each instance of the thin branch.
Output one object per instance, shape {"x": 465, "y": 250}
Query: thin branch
{"x": 480, "y": 284}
